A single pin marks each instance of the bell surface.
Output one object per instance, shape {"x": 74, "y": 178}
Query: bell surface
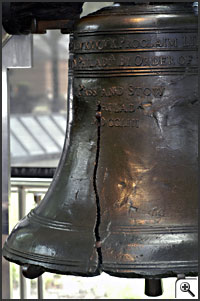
{"x": 139, "y": 64}
{"x": 128, "y": 172}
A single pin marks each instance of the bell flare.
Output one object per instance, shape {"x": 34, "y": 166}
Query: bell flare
{"x": 52, "y": 246}
{"x": 158, "y": 252}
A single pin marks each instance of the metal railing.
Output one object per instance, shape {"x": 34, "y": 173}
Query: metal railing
{"x": 38, "y": 188}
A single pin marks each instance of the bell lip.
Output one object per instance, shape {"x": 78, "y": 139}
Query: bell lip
{"x": 151, "y": 273}
{"x": 134, "y": 272}
{"x": 75, "y": 268}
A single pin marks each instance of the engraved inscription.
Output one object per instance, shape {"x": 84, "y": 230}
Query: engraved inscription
{"x": 118, "y": 102}
{"x": 120, "y": 122}
{"x": 131, "y": 41}
{"x": 134, "y": 60}
{"x": 84, "y": 62}
{"x": 185, "y": 60}
{"x": 112, "y": 91}
{"x": 83, "y": 91}
{"x": 129, "y": 90}
{"x": 140, "y": 91}
{"x": 118, "y": 107}
{"x": 189, "y": 41}
{"x": 161, "y": 60}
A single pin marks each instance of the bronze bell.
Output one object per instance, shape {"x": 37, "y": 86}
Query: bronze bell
{"x": 124, "y": 197}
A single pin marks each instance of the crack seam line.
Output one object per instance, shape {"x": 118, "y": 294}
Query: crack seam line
{"x": 98, "y": 219}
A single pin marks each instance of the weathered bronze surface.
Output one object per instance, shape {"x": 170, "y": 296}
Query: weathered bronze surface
{"x": 139, "y": 64}
{"x": 130, "y": 155}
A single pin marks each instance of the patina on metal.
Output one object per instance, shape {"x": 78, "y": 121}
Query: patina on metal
{"x": 141, "y": 70}
{"x": 127, "y": 179}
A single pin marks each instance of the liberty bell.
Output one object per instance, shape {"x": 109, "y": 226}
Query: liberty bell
{"x": 124, "y": 196}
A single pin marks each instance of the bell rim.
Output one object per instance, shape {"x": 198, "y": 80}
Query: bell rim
{"x": 74, "y": 266}
{"x": 122, "y": 270}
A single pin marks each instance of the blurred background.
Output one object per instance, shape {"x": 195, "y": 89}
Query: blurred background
{"x": 38, "y": 100}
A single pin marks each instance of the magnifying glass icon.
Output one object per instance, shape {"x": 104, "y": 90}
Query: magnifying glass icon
{"x": 185, "y": 287}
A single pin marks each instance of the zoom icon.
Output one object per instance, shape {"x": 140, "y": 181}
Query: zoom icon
{"x": 187, "y": 288}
